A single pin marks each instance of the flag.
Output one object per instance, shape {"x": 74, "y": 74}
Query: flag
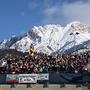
{"x": 2, "y": 63}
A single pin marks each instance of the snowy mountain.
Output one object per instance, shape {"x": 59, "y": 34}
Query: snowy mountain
{"x": 5, "y": 44}
{"x": 52, "y": 39}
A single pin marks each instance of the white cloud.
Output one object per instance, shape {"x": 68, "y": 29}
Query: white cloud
{"x": 51, "y": 10}
{"x": 77, "y": 11}
{"x": 52, "y": 14}
{"x": 68, "y": 12}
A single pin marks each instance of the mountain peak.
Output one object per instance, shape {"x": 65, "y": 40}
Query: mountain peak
{"x": 75, "y": 22}
{"x": 13, "y": 36}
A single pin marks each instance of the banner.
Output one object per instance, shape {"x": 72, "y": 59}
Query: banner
{"x": 69, "y": 78}
{"x": 43, "y": 77}
{"x": 12, "y": 78}
{"x": 27, "y": 78}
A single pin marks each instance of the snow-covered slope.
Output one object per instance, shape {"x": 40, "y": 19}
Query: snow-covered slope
{"x": 52, "y": 38}
{"x": 5, "y": 44}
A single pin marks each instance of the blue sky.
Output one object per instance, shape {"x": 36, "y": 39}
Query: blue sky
{"x": 19, "y": 16}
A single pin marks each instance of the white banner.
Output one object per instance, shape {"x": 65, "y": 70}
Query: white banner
{"x": 27, "y": 78}
{"x": 43, "y": 77}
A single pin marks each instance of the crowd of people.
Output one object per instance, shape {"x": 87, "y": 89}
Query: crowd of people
{"x": 42, "y": 63}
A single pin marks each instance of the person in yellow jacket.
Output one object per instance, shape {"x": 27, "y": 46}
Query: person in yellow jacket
{"x": 31, "y": 51}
